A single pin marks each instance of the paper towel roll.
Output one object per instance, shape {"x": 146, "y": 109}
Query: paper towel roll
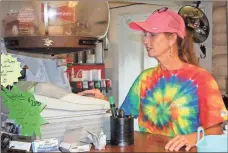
{"x": 99, "y": 53}
{"x": 90, "y": 58}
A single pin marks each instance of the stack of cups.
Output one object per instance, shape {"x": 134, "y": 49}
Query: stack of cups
{"x": 90, "y": 58}
{"x": 99, "y": 52}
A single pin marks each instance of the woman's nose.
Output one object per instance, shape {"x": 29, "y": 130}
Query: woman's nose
{"x": 146, "y": 40}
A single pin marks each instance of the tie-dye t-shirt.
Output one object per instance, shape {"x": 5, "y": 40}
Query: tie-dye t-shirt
{"x": 174, "y": 102}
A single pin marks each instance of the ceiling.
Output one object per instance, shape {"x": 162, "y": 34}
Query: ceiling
{"x": 116, "y": 3}
{"x": 119, "y": 3}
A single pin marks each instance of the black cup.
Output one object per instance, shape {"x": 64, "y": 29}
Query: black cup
{"x": 122, "y": 131}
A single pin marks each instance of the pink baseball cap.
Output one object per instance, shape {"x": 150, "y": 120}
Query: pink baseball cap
{"x": 162, "y": 20}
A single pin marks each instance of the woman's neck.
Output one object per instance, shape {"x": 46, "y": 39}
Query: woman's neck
{"x": 170, "y": 63}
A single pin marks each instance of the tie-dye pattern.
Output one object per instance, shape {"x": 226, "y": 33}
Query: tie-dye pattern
{"x": 174, "y": 102}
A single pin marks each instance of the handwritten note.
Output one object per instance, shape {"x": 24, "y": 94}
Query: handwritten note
{"x": 10, "y": 70}
{"x": 25, "y": 110}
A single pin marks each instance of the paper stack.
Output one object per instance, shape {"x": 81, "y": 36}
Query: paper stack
{"x": 69, "y": 113}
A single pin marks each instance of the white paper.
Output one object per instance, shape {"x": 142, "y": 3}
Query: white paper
{"x": 20, "y": 145}
{"x": 50, "y": 90}
{"x": 65, "y": 145}
{"x": 61, "y": 104}
{"x": 76, "y": 119}
{"x": 58, "y": 113}
{"x": 74, "y": 98}
{"x": 75, "y": 147}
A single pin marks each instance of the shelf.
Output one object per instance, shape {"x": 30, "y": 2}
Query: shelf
{"x": 75, "y": 64}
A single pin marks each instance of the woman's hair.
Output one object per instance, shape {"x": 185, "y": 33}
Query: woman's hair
{"x": 186, "y": 50}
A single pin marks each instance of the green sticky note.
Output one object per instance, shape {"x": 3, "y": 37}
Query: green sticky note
{"x": 25, "y": 110}
{"x": 10, "y": 70}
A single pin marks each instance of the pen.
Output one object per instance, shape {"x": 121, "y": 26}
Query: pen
{"x": 130, "y": 116}
{"x": 121, "y": 113}
{"x": 112, "y": 105}
{"x": 117, "y": 112}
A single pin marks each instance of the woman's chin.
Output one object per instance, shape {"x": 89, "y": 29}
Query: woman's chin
{"x": 153, "y": 54}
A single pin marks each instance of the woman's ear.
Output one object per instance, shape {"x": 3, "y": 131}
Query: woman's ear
{"x": 172, "y": 39}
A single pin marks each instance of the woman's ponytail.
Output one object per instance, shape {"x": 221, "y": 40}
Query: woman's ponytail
{"x": 186, "y": 50}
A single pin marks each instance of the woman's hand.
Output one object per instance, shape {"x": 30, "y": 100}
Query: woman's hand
{"x": 190, "y": 140}
{"x": 180, "y": 141}
{"x": 95, "y": 92}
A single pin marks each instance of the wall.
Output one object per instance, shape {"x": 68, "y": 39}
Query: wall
{"x": 219, "y": 59}
{"x": 206, "y": 62}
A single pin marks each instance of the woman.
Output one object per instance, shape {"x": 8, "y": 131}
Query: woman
{"x": 177, "y": 96}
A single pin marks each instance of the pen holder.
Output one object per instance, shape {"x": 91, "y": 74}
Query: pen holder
{"x": 122, "y": 131}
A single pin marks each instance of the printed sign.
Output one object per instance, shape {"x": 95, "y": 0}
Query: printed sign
{"x": 64, "y": 13}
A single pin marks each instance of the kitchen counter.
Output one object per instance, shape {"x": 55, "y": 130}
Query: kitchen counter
{"x": 144, "y": 142}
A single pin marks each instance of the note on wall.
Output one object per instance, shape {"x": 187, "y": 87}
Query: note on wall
{"x": 25, "y": 110}
{"x": 10, "y": 70}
